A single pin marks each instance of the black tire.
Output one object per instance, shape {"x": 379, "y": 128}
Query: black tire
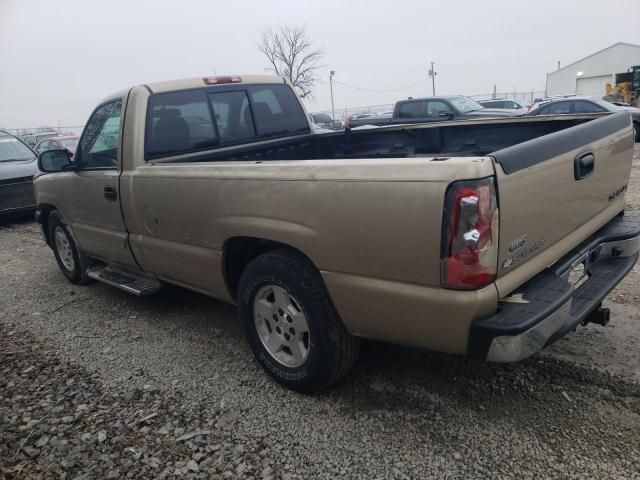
{"x": 332, "y": 350}
{"x": 77, "y": 274}
{"x": 636, "y": 131}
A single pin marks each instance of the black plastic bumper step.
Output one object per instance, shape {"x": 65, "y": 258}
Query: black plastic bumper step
{"x": 550, "y": 293}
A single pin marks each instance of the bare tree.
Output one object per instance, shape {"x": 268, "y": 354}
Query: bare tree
{"x": 292, "y": 55}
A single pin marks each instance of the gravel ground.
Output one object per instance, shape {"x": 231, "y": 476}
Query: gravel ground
{"x": 95, "y": 383}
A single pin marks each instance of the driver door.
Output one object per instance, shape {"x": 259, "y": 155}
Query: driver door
{"x": 94, "y": 200}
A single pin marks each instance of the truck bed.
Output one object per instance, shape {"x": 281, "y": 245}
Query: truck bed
{"x": 452, "y": 138}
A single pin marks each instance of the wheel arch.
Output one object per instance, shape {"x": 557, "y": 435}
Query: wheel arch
{"x": 239, "y": 251}
{"x": 43, "y": 213}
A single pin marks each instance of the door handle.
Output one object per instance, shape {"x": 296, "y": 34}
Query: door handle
{"x": 583, "y": 165}
{"x": 110, "y": 193}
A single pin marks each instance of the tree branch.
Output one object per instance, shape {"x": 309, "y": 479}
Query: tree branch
{"x": 291, "y": 55}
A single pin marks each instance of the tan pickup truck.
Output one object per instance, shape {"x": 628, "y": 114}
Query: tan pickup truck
{"x": 488, "y": 237}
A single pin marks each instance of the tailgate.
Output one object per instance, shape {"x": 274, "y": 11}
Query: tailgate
{"x": 556, "y": 190}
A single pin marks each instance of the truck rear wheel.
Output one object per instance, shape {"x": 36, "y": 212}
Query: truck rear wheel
{"x": 291, "y": 325}
{"x": 71, "y": 261}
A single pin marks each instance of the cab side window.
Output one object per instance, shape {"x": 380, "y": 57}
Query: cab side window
{"x": 435, "y": 108}
{"x": 98, "y": 147}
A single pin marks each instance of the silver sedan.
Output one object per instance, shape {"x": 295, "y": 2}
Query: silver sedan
{"x": 18, "y": 165}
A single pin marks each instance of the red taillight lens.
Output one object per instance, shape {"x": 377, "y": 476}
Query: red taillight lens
{"x": 470, "y": 234}
{"x": 222, "y": 79}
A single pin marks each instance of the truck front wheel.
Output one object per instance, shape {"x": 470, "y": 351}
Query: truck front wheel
{"x": 291, "y": 325}
{"x": 70, "y": 260}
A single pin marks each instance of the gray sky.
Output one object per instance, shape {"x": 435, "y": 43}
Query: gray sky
{"x": 58, "y": 59}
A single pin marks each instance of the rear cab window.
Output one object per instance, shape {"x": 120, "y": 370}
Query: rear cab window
{"x": 202, "y": 119}
{"x": 179, "y": 122}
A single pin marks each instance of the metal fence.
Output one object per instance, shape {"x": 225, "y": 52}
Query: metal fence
{"x": 62, "y": 130}
{"x": 522, "y": 96}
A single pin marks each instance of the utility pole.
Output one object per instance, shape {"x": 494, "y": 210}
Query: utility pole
{"x": 494, "y": 92}
{"x": 432, "y": 74}
{"x": 333, "y": 111}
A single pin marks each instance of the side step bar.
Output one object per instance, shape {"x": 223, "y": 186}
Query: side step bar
{"x": 127, "y": 281}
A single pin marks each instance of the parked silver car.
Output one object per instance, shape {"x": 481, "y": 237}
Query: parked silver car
{"x": 518, "y": 106}
{"x": 32, "y": 139}
{"x": 18, "y": 165}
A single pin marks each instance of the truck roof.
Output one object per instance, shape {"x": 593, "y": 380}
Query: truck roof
{"x": 196, "y": 82}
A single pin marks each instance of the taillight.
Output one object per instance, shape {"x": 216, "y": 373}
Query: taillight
{"x": 222, "y": 79}
{"x": 470, "y": 234}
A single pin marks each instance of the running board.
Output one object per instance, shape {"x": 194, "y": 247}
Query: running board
{"x": 126, "y": 281}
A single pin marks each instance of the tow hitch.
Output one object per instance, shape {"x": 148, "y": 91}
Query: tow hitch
{"x": 599, "y": 315}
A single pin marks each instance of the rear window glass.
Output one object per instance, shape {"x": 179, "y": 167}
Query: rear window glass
{"x": 233, "y": 116}
{"x": 560, "y": 108}
{"x": 276, "y": 111}
{"x": 582, "y": 106}
{"x": 179, "y": 122}
{"x": 411, "y": 110}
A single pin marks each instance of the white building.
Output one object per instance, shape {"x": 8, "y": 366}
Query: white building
{"x": 588, "y": 76}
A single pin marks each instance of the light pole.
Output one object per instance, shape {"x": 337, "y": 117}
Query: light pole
{"x": 333, "y": 111}
{"x": 432, "y": 74}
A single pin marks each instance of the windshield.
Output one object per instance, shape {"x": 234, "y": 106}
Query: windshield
{"x": 69, "y": 142}
{"x": 13, "y": 150}
{"x": 465, "y": 104}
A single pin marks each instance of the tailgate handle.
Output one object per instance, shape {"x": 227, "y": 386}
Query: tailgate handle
{"x": 583, "y": 165}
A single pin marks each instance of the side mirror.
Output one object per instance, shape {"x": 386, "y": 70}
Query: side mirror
{"x": 445, "y": 114}
{"x": 55, "y": 161}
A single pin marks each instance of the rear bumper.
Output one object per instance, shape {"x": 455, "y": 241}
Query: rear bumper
{"x": 548, "y": 306}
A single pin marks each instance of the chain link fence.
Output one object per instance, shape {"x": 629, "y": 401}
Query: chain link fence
{"x": 530, "y": 96}
{"x": 61, "y": 130}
